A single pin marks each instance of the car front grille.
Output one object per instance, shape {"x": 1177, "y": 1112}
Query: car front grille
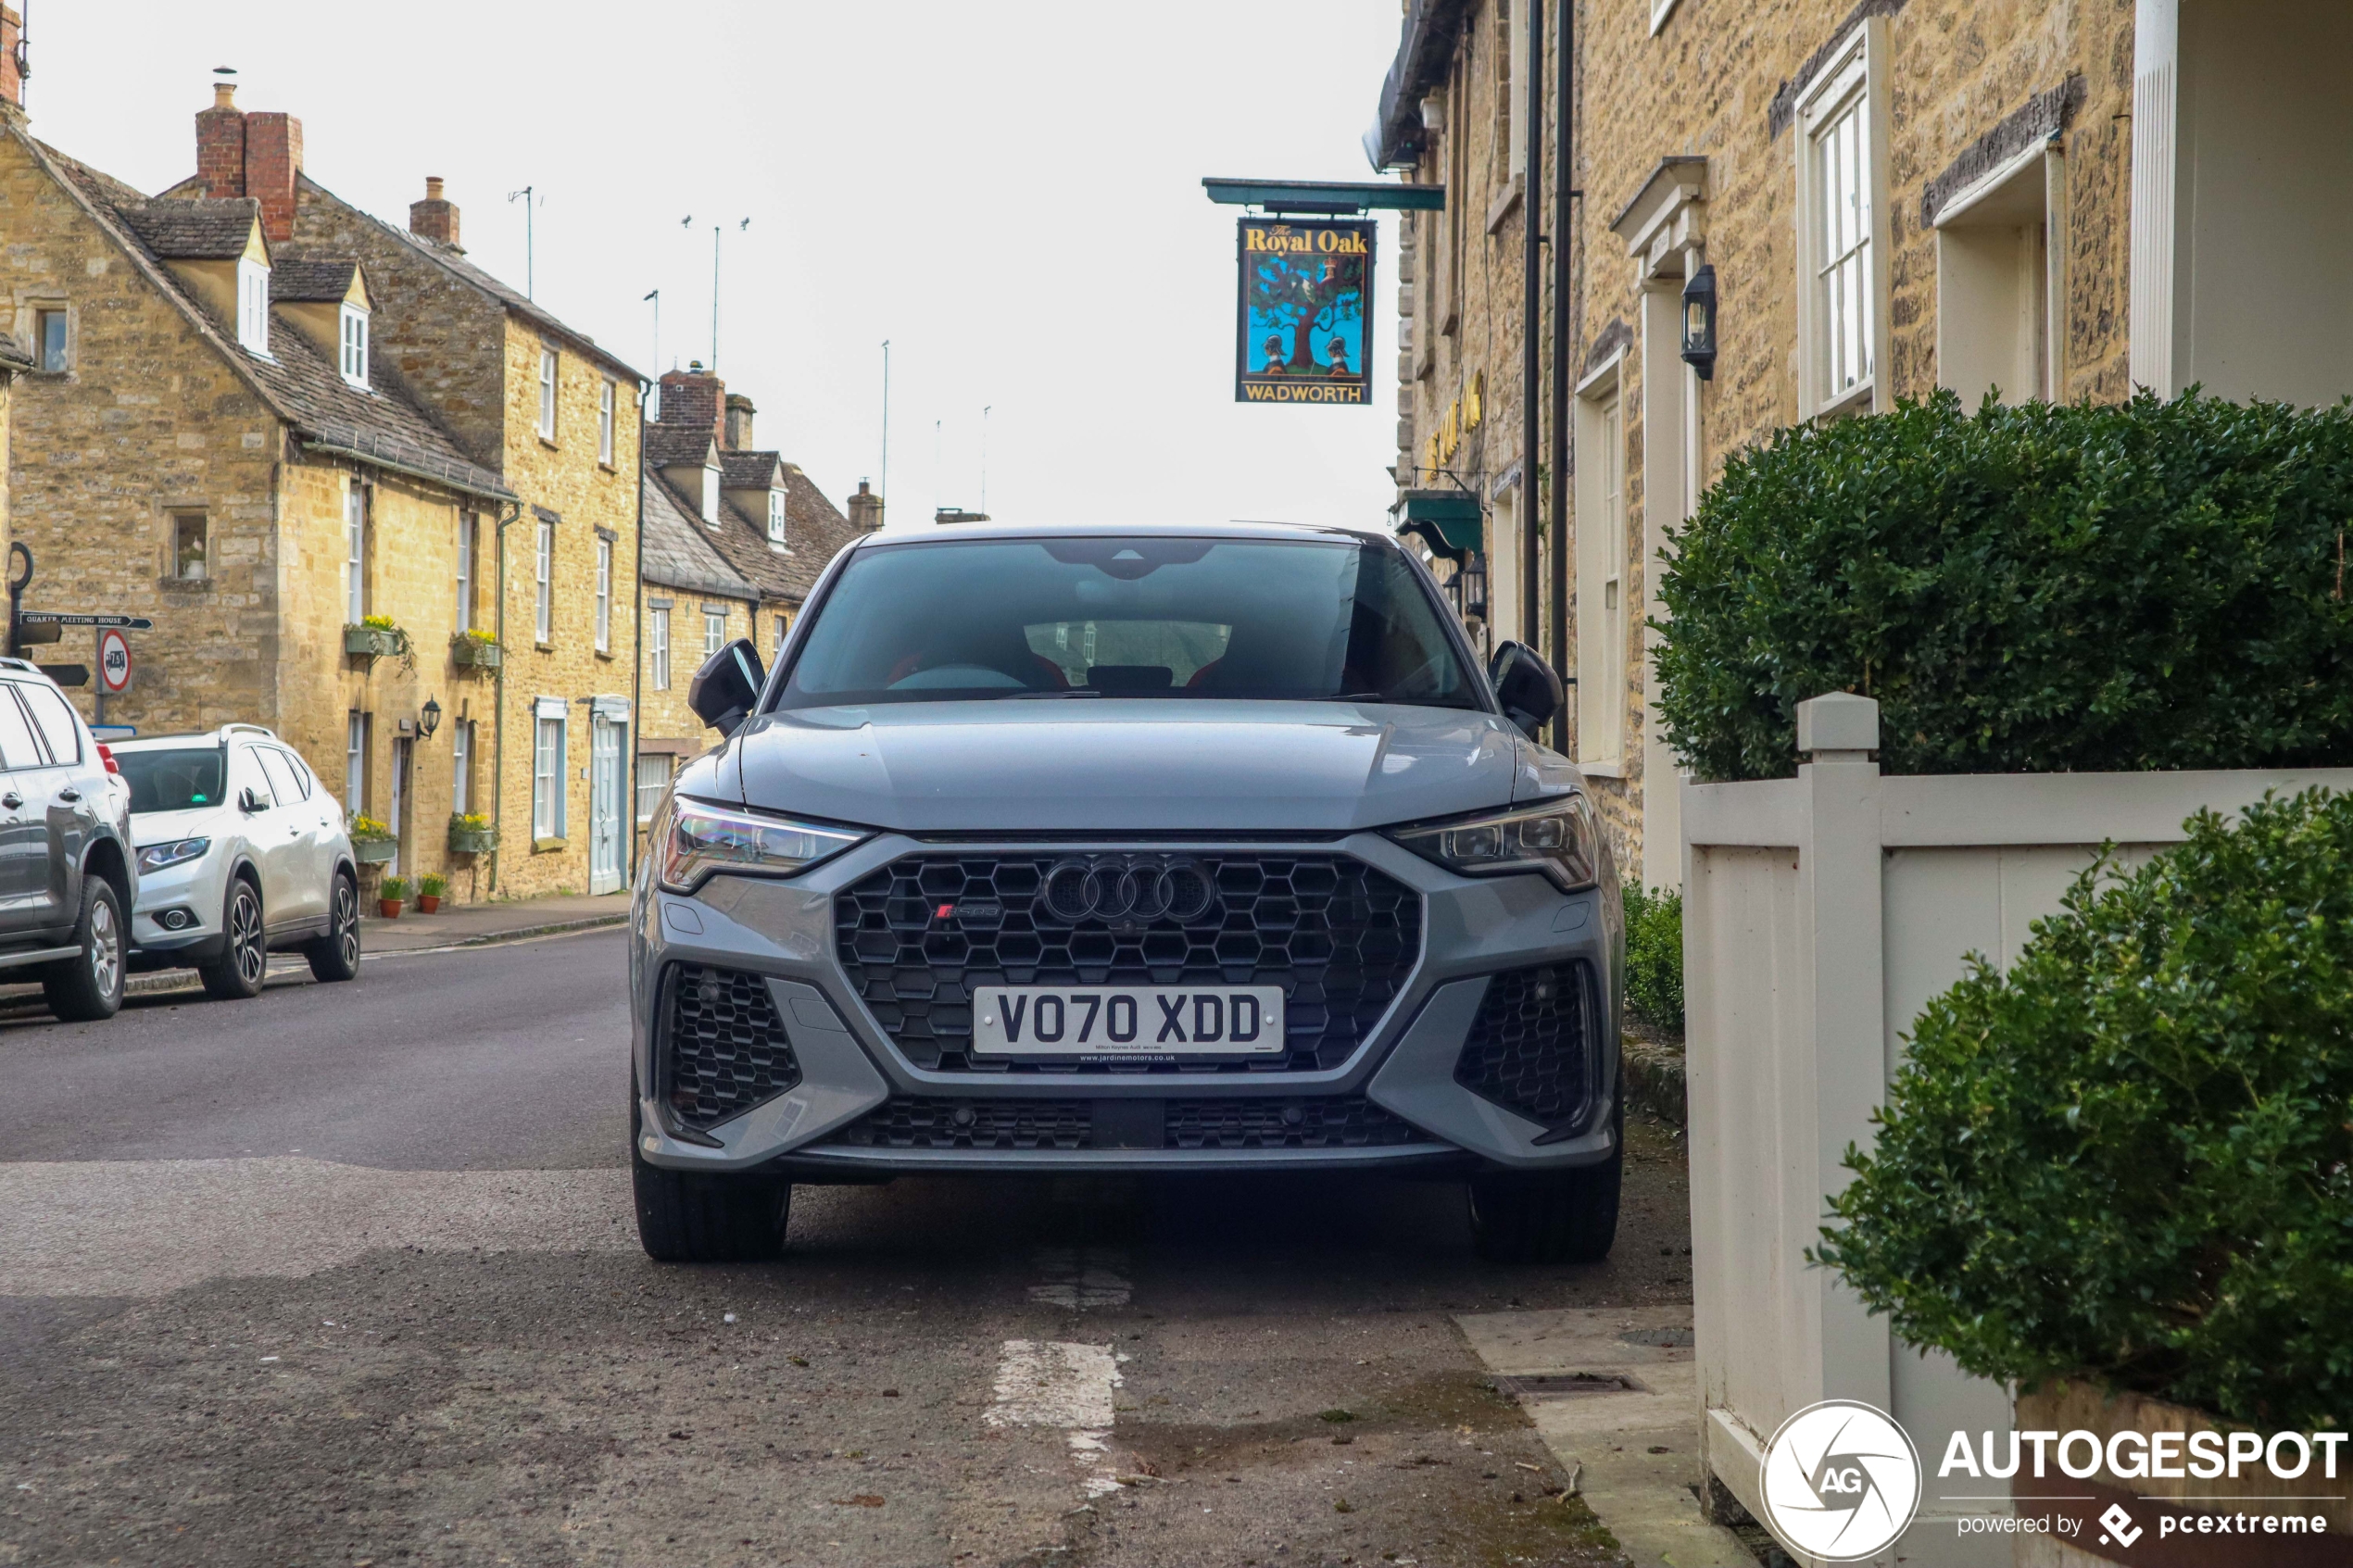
{"x": 918, "y": 936}
{"x": 723, "y": 1049}
{"x": 1527, "y": 1048}
{"x": 1326, "y": 1122}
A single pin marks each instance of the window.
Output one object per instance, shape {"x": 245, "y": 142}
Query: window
{"x": 1511, "y": 84}
{"x": 253, "y": 305}
{"x": 295, "y": 771}
{"x": 1998, "y": 277}
{"x": 18, "y": 749}
{"x": 354, "y": 347}
{"x": 54, "y": 720}
{"x": 715, "y": 631}
{"x": 1840, "y": 208}
{"x": 355, "y": 556}
{"x": 784, "y": 624}
{"x": 776, "y": 517}
{"x": 711, "y": 497}
{"x": 354, "y": 766}
{"x": 187, "y": 547}
{"x": 658, "y": 644}
{"x": 548, "y": 780}
{"x": 468, "y": 537}
{"x": 604, "y": 595}
{"x": 653, "y": 777}
{"x": 544, "y": 570}
{"x": 461, "y": 766}
{"x": 49, "y": 339}
{"x": 605, "y": 399}
{"x": 282, "y": 778}
{"x": 546, "y": 395}
{"x": 1602, "y": 622}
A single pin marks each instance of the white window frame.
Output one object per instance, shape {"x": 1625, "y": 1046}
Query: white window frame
{"x": 41, "y": 316}
{"x": 1602, "y": 587}
{"x": 2001, "y": 281}
{"x": 608, "y": 397}
{"x": 547, "y": 775}
{"x": 547, "y": 393}
{"x": 657, "y": 648}
{"x": 711, "y": 479}
{"x": 353, "y": 324}
{"x": 543, "y": 579}
{"x": 355, "y": 764}
{"x": 1843, "y": 110}
{"x": 461, "y": 763}
{"x": 604, "y": 595}
{"x": 1660, "y": 11}
{"x": 253, "y": 306}
{"x": 469, "y": 535}
{"x": 715, "y": 631}
{"x": 647, "y": 803}
{"x": 355, "y": 558}
{"x": 776, "y": 515}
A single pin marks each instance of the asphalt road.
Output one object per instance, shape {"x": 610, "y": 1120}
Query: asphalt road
{"x": 346, "y": 1274}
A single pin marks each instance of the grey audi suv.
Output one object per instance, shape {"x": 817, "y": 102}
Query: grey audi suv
{"x": 1126, "y": 849}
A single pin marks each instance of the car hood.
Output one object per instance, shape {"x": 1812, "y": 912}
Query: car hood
{"x": 1104, "y": 764}
{"x": 149, "y": 828}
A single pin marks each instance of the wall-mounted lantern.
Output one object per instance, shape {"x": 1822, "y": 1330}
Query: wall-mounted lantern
{"x": 430, "y": 720}
{"x": 1699, "y": 322}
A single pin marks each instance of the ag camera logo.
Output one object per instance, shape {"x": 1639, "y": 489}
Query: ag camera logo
{"x": 1842, "y": 1481}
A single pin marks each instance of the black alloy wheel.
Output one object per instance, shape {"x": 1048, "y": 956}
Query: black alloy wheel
{"x": 243, "y": 962}
{"x": 335, "y": 956}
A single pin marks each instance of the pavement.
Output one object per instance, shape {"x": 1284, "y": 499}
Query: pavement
{"x": 346, "y": 1274}
{"x": 496, "y": 920}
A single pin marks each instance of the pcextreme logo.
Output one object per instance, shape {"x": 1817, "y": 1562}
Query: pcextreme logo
{"x": 1842, "y": 1481}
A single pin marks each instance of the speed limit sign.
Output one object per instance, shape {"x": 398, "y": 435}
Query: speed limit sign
{"x": 114, "y": 661}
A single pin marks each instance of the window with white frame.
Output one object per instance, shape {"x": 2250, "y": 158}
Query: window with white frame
{"x": 461, "y": 766}
{"x": 355, "y": 764}
{"x": 653, "y": 777}
{"x": 607, "y": 397}
{"x": 354, "y": 553}
{"x": 711, "y": 479}
{"x": 354, "y": 345}
{"x": 1600, "y": 543}
{"x": 604, "y": 595}
{"x": 1839, "y": 210}
{"x": 784, "y": 624}
{"x": 548, "y": 779}
{"x": 715, "y": 631}
{"x": 776, "y": 517}
{"x": 657, "y": 648}
{"x": 546, "y": 395}
{"x": 469, "y": 535}
{"x": 542, "y": 577}
{"x": 2001, "y": 285}
{"x": 253, "y": 305}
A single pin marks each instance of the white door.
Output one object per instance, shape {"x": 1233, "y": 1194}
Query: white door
{"x": 396, "y": 809}
{"x": 604, "y": 806}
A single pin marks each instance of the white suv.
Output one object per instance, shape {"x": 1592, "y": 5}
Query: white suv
{"x": 241, "y": 850}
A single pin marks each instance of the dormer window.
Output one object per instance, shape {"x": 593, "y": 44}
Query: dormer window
{"x": 354, "y": 347}
{"x": 776, "y": 517}
{"x": 710, "y": 496}
{"x": 253, "y": 305}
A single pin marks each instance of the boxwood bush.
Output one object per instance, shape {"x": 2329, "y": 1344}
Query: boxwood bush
{"x": 2131, "y": 1157}
{"x": 1654, "y": 957}
{"x": 2041, "y": 588}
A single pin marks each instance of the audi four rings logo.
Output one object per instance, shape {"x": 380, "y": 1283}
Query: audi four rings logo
{"x": 1128, "y": 888}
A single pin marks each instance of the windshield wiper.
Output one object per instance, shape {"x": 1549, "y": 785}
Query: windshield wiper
{"x": 1033, "y": 697}
{"x": 1362, "y": 697}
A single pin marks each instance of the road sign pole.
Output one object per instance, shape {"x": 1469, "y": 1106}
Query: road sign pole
{"x": 98, "y": 662}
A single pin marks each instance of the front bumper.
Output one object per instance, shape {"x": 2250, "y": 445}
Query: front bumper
{"x": 783, "y": 932}
{"x": 197, "y": 887}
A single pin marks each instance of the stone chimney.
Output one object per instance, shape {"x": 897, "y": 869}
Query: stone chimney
{"x": 865, "y": 509}
{"x": 433, "y": 218}
{"x": 695, "y": 397}
{"x": 739, "y": 412}
{"x": 220, "y": 143}
{"x": 11, "y": 64}
{"x": 250, "y": 155}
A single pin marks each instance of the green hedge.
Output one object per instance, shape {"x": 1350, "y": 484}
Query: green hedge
{"x": 2154, "y": 585}
{"x": 1654, "y": 957}
{"x": 2131, "y": 1157}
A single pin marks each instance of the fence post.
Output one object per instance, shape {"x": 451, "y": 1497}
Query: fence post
{"x": 1840, "y": 891}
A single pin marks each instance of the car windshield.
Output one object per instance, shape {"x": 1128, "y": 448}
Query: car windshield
{"x": 1131, "y": 617}
{"x": 171, "y": 781}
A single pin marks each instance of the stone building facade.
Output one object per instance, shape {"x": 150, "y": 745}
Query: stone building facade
{"x": 2024, "y": 198}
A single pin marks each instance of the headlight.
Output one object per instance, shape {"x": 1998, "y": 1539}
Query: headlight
{"x": 1560, "y": 837}
{"x": 155, "y": 857}
{"x": 699, "y": 841}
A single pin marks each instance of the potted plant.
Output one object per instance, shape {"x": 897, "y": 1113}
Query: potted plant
{"x": 371, "y": 842}
{"x": 476, "y": 650}
{"x": 373, "y": 637}
{"x": 429, "y": 891}
{"x": 391, "y": 893}
{"x": 472, "y": 832}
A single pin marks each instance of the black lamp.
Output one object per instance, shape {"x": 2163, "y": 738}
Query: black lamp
{"x": 1699, "y": 322}
{"x": 430, "y": 720}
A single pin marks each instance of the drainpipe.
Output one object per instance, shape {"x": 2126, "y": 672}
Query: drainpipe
{"x": 1562, "y": 327}
{"x": 637, "y": 646}
{"x": 498, "y": 737}
{"x": 1531, "y": 329}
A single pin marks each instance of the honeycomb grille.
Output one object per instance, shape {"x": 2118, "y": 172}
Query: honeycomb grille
{"x": 1352, "y": 1123}
{"x": 725, "y": 1045}
{"x": 1339, "y": 936}
{"x": 972, "y": 1123}
{"x": 1525, "y": 1051}
{"x": 1327, "y": 1123}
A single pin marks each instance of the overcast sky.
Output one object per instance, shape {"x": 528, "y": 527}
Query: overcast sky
{"x": 1010, "y": 193}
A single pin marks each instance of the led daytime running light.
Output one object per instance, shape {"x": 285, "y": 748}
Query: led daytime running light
{"x": 700, "y": 841}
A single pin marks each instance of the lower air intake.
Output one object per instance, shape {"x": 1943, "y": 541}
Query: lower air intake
{"x": 724, "y": 1049}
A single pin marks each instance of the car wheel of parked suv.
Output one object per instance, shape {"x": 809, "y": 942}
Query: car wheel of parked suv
{"x": 1549, "y": 1216}
{"x": 335, "y": 956}
{"x": 243, "y": 962}
{"x": 687, "y": 1217}
{"x": 85, "y": 989}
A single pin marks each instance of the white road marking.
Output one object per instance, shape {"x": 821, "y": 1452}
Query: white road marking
{"x": 1052, "y": 1382}
{"x": 1080, "y": 1277}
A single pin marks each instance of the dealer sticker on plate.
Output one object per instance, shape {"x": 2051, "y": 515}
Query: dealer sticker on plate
{"x": 1128, "y": 1020}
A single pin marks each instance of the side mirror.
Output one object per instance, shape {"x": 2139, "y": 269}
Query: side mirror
{"x": 1526, "y": 686}
{"x": 728, "y": 683}
{"x": 250, "y": 801}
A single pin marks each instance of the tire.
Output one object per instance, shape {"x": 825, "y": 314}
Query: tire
{"x": 88, "y": 989}
{"x": 335, "y": 956}
{"x": 1551, "y": 1216}
{"x": 687, "y": 1217}
{"x": 236, "y": 975}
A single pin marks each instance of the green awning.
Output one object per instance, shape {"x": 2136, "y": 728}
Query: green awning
{"x": 1450, "y": 521}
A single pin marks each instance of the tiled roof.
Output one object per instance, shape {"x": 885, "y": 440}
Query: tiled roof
{"x": 12, "y": 354}
{"x": 814, "y": 534}
{"x": 679, "y": 552}
{"x": 296, "y": 379}
{"x": 300, "y": 279}
{"x": 669, "y": 444}
{"x": 749, "y": 471}
{"x": 179, "y": 230}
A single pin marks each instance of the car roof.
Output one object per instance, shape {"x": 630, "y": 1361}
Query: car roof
{"x": 1237, "y": 528}
{"x": 196, "y": 737}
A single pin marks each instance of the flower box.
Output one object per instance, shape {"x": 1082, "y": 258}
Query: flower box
{"x": 472, "y": 653}
{"x": 472, "y": 841}
{"x": 375, "y": 851}
{"x": 369, "y": 642}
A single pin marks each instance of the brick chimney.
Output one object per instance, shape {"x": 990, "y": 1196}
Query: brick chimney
{"x": 250, "y": 155}
{"x": 739, "y": 412}
{"x": 695, "y": 397}
{"x": 434, "y": 218}
{"x": 11, "y": 68}
{"x": 865, "y": 509}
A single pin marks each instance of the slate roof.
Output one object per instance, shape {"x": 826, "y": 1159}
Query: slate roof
{"x": 749, "y": 471}
{"x": 679, "y": 552}
{"x": 178, "y": 230}
{"x": 668, "y": 445}
{"x": 298, "y": 382}
{"x": 815, "y": 530}
{"x": 300, "y": 279}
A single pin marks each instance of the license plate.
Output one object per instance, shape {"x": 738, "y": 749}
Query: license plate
{"x": 1127, "y": 1022}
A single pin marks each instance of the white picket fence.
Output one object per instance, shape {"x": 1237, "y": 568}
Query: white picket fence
{"x": 1820, "y": 914}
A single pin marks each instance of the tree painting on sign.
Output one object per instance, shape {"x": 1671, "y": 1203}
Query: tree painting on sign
{"x": 1304, "y": 336}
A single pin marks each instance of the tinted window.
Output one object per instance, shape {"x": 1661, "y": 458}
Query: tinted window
{"x": 282, "y": 776}
{"x": 55, "y": 721}
{"x": 171, "y": 781}
{"x": 1143, "y": 616}
{"x": 17, "y": 749}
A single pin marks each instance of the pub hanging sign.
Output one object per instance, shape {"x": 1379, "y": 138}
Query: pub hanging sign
{"x": 1305, "y": 335}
